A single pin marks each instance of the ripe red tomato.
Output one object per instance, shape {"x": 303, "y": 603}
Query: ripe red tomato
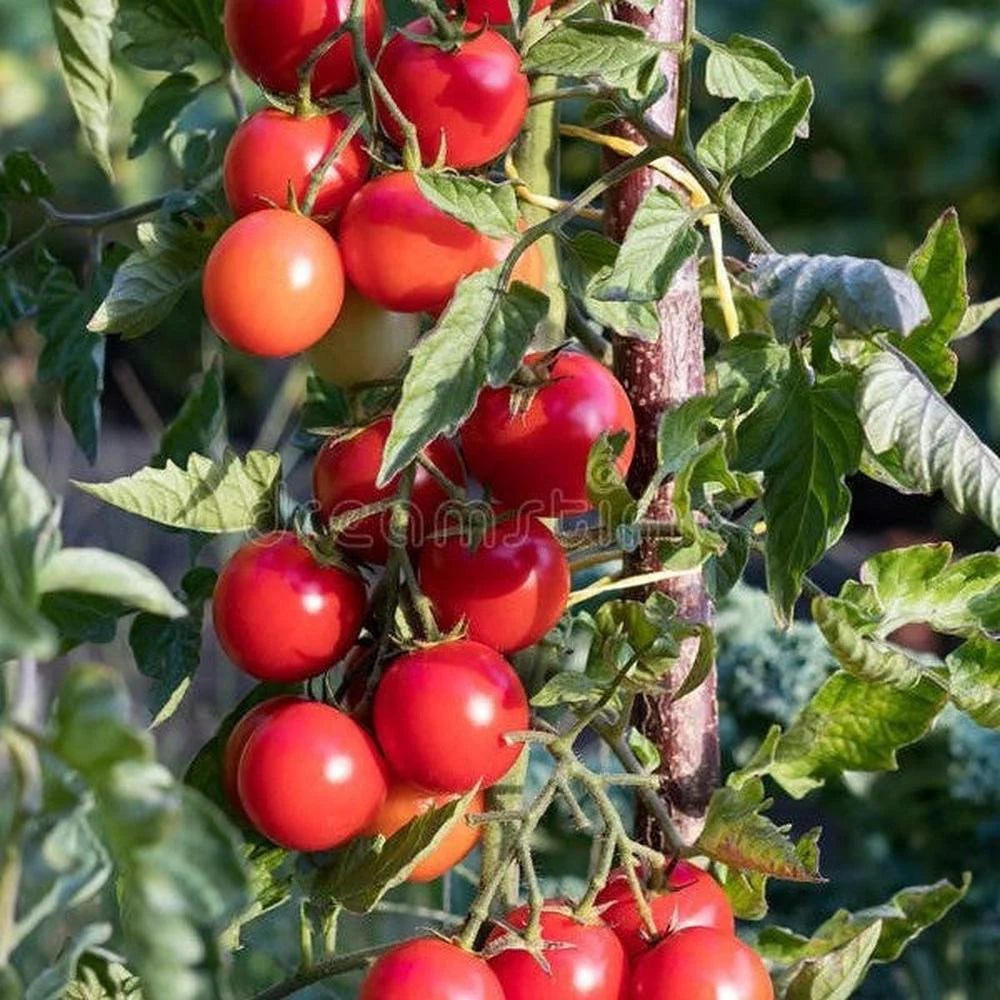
{"x": 591, "y": 965}
{"x": 402, "y": 252}
{"x": 441, "y": 713}
{"x": 274, "y": 283}
{"x": 270, "y": 39}
{"x": 694, "y": 899}
{"x": 700, "y": 963}
{"x": 310, "y": 777}
{"x": 510, "y": 587}
{"x": 430, "y": 969}
{"x": 404, "y": 803}
{"x": 366, "y": 344}
{"x": 238, "y": 737}
{"x": 272, "y": 150}
{"x": 472, "y": 98}
{"x": 344, "y": 480}
{"x": 282, "y": 616}
{"x": 494, "y": 11}
{"x": 535, "y": 459}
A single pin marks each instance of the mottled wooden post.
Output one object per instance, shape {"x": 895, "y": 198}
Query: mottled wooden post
{"x": 658, "y": 376}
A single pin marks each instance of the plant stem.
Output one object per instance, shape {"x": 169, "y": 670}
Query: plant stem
{"x": 543, "y": 95}
{"x": 316, "y": 177}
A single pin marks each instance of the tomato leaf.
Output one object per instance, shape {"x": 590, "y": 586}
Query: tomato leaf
{"x": 23, "y": 177}
{"x": 974, "y": 679}
{"x": 54, "y": 982}
{"x": 747, "y": 367}
{"x": 232, "y": 495}
{"x": 975, "y": 316}
{"x": 479, "y": 340}
{"x": 161, "y": 108}
{"x": 490, "y": 208}
{"x": 746, "y": 69}
{"x": 606, "y": 488}
{"x": 200, "y": 423}
{"x": 567, "y": 688}
{"x": 838, "y": 973}
{"x": 171, "y": 36}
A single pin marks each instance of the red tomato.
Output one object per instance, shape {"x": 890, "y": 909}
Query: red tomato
{"x": 238, "y": 737}
{"x": 441, "y": 713}
{"x": 402, "y": 252}
{"x": 493, "y": 11}
{"x": 473, "y": 98}
{"x": 696, "y": 900}
{"x": 282, "y": 616}
{"x": 344, "y": 480}
{"x": 270, "y": 39}
{"x": 272, "y": 150}
{"x": 510, "y": 587}
{"x": 591, "y": 965}
{"x": 310, "y": 777}
{"x": 404, "y": 803}
{"x": 430, "y": 969}
{"x": 535, "y": 459}
{"x": 700, "y": 963}
{"x": 274, "y": 283}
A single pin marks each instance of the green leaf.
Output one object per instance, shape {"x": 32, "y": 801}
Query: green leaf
{"x": 587, "y": 262}
{"x": 53, "y": 983}
{"x": 24, "y": 177}
{"x": 737, "y": 834}
{"x": 606, "y": 488}
{"x": 618, "y": 55}
{"x": 72, "y": 356}
{"x": 900, "y": 409}
{"x": 746, "y": 69}
{"x": 867, "y": 294}
{"x": 363, "y": 871}
{"x": 199, "y": 424}
{"x": 975, "y": 316}
{"x": 751, "y": 135}
{"x": 490, "y": 208}
{"x": 746, "y": 891}
{"x": 678, "y": 436}
{"x": 168, "y": 651}
{"x": 170, "y": 36}
{"x": 477, "y": 341}
{"x": 805, "y": 437}
{"x": 645, "y": 750}
{"x": 747, "y": 367}
{"x": 660, "y": 238}
{"x": 233, "y": 495}
{"x": 83, "y": 36}
{"x": 82, "y": 618}
{"x": 850, "y": 725}
{"x": 568, "y": 688}
{"x": 724, "y": 570}
{"x": 152, "y": 280}
{"x": 161, "y": 109}
{"x": 838, "y": 973}
{"x": 974, "y": 679}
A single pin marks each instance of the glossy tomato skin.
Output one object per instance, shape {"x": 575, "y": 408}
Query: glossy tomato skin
{"x": 700, "y": 963}
{"x": 590, "y": 966}
{"x": 238, "y": 738}
{"x": 697, "y": 900}
{"x": 272, "y": 38}
{"x": 280, "y": 615}
{"x": 404, "y": 803}
{"x": 493, "y": 11}
{"x": 535, "y": 460}
{"x": 366, "y": 344}
{"x": 402, "y": 252}
{"x": 510, "y": 587}
{"x": 272, "y": 150}
{"x": 430, "y": 969}
{"x": 472, "y": 98}
{"x": 441, "y": 713}
{"x": 310, "y": 777}
{"x": 274, "y": 283}
{"x": 344, "y": 477}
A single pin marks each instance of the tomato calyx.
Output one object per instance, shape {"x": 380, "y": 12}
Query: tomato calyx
{"x": 449, "y": 32}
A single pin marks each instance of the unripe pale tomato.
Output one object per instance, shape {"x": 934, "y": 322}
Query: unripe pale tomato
{"x": 693, "y": 899}
{"x": 310, "y": 777}
{"x": 274, "y": 283}
{"x": 441, "y": 713}
{"x": 589, "y": 965}
{"x": 366, "y": 344}
{"x": 700, "y": 963}
{"x": 472, "y": 98}
{"x": 271, "y": 39}
{"x": 282, "y": 616}
{"x": 430, "y": 969}
{"x": 404, "y": 253}
{"x": 493, "y": 11}
{"x": 534, "y": 458}
{"x": 272, "y": 151}
{"x": 344, "y": 477}
{"x": 510, "y": 587}
{"x": 404, "y": 803}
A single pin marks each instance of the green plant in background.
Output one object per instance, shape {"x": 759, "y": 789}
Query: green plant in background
{"x": 117, "y": 877}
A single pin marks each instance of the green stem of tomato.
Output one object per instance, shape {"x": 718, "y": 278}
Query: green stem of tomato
{"x": 316, "y": 177}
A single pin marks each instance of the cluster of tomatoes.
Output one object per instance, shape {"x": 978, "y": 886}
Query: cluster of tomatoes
{"x": 607, "y": 954}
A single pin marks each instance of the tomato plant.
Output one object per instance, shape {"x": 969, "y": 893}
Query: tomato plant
{"x": 433, "y": 969}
